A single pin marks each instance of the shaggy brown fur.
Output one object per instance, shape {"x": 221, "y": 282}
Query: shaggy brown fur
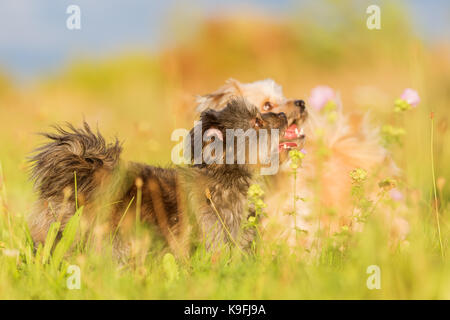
{"x": 177, "y": 200}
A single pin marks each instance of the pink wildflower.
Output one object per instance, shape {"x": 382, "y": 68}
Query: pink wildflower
{"x": 396, "y": 195}
{"x": 320, "y": 96}
{"x": 411, "y": 96}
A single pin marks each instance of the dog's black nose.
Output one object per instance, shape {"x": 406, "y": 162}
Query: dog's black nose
{"x": 301, "y": 104}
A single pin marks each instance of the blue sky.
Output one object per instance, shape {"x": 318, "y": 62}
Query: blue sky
{"x": 34, "y": 39}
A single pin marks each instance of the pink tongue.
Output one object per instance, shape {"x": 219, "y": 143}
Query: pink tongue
{"x": 286, "y": 145}
{"x": 290, "y": 132}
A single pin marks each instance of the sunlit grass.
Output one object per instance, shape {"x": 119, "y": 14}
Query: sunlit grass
{"x": 141, "y": 99}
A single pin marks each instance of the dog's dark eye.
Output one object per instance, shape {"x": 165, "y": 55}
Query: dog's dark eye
{"x": 267, "y": 106}
{"x": 258, "y": 123}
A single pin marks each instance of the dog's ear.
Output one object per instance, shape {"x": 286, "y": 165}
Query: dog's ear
{"x": 214, "y": 132}
{"x": 210, "y": 123}
{"x": 218, "y": 99}
{"x": 209, "y": 118}
{"x": 208, "y": 127}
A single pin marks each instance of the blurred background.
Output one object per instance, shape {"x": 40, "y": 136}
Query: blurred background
{"x": 135, "y": 67}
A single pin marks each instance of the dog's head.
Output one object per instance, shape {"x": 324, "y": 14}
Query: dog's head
{"x": 237, "y": 134}
{"x": 268, "y": 97}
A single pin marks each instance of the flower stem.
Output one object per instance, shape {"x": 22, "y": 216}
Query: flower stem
{"x": 434, "y": 187}
{"x": 208, "y": 196}
{"x": 295, "y": 203}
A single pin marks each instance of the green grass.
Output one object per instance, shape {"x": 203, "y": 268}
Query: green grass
{"x": 412, "y": 270}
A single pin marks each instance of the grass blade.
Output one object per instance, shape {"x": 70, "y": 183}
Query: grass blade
{"x": 68, "y": 237}
{"x": 50, "y": 240}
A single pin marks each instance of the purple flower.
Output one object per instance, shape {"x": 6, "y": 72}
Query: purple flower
{"x": 396, "y": 195}
{"x": 303, "y": 151}
{"x": 320, "y": 96}
{"x": 411, "y": 96}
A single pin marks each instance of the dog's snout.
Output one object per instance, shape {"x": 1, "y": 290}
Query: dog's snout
{"x": 301, "y": 104}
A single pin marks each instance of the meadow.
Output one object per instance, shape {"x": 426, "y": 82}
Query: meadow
{"x": 142, "y": 97}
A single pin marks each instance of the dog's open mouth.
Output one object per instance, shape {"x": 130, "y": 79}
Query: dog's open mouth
{"x": 293, "y": 138}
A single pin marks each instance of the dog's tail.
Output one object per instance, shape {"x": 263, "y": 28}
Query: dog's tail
{"x": 73, "y": 159}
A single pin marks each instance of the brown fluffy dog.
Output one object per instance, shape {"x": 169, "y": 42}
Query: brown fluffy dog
{"x": 207, "y": 197}
{"x": 333, "y": 150}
